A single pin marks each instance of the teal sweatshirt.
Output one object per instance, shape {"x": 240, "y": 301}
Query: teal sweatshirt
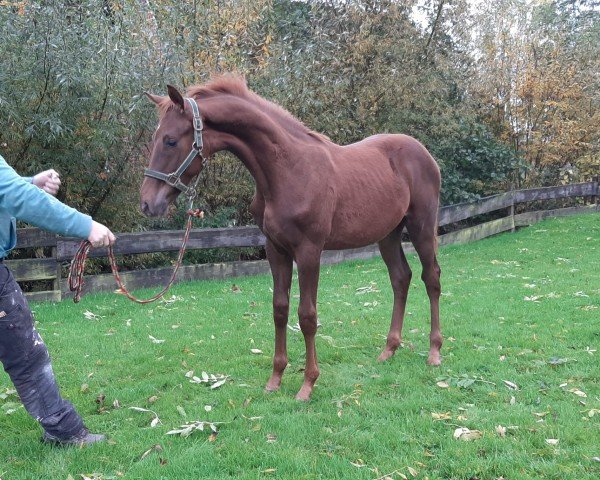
{"x": 20, "y": 199}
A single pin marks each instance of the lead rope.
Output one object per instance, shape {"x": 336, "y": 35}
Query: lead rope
{"x": 77, "y": 267}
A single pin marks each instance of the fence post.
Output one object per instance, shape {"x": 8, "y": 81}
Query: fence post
{"x": 594, "y": 198}
{"x": 512, "y": 209}
{"x": 56, "y": 283}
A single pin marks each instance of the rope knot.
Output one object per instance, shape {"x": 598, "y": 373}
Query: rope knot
{"x": 196, "y": 213}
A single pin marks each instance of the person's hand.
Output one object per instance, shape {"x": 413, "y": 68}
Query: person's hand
{"x": 100, "y": 236}
{"x": 48, "y": 181}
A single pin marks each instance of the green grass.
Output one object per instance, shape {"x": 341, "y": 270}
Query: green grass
{"x": 365, "y": 420}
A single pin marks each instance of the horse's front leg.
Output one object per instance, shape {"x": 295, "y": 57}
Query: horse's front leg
{"x": 281, "y": 268}
{"x": 308, "y": 261}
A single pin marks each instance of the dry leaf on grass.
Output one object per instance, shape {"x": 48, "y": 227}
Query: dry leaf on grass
{"x": 441, "y": 416}
{"x": 466, "y": 434}
{"x": 90, "y": 315}
{"x": 215, "y": 381}
{"x": 578, "y": 392}
{"x": 187, "y": 429}
{"x": 511, "y": 385}
{"x": 155, "y": 421}
{"x": 154, "y": 448}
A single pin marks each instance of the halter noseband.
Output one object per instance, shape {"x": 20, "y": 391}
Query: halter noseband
{"x": 173, "y": 179}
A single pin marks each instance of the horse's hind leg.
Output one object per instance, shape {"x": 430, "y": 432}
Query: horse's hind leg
{"x": 281, "y": 268}
{"x": 400, "y": 275}
{"x": 422, "y": 229}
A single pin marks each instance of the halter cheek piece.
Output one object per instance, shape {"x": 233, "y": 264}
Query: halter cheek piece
{"x": 173, "y": 179}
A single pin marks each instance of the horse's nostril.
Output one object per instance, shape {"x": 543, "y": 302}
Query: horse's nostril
{"x": 145, "y": 208}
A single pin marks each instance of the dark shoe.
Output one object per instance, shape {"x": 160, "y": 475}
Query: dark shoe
{"x": 82, "y": 438}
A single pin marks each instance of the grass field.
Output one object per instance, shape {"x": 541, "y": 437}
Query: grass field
{"x": 521, "y": 320}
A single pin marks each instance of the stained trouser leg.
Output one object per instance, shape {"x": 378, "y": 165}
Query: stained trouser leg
{"x": 26, "y": 360}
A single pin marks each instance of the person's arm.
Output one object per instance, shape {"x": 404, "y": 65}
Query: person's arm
{"x": 25, "y": 201}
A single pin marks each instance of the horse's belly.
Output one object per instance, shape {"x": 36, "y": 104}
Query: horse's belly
{"x": 363, "y": 226}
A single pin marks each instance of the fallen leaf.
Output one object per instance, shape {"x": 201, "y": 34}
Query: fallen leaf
{"x": 443, "y": 384}
{"x": 441, "y": 416}
{"x": 10, "y": 407}
{"x": 154, "y": 448}
{"x": 511, "y": 385}
{"x": 219, "y": 383}
{"x": 500, "y": 430}
{"x": 578, "y": 392}
{"x": 552, "y": 441}
{"x": 155, "y": 340}
{"x": 256, "y": 351}
{"x": 541, "y": 414}
{"x": 466, "y": 434}
{"x": 557, "y": 361}
{"x": 91, "y": 316}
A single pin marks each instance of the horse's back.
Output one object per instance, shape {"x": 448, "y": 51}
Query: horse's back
{"x": 407, "y": 157}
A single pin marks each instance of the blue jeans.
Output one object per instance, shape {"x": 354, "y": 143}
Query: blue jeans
{"x": 26, "y": 360}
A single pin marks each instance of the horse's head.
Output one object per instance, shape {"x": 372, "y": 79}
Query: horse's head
{"x": 176, "y": 156}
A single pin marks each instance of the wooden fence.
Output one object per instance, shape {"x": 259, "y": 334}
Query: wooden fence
{"x": 62, "y": 249}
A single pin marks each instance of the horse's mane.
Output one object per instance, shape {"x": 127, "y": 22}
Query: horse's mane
{"x": 236, "y": 85}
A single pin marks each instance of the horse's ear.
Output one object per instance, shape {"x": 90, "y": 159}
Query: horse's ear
{"x": 154, "y": 98}
{"x": 175, "y": 96}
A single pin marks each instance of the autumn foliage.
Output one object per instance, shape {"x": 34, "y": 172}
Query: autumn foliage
{"x": 504, "y": 95}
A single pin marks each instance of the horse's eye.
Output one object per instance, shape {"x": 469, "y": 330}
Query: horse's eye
{"x": 171, "y": 143}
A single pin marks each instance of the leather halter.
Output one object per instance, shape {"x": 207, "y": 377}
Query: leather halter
{"x": 173, "y": 179}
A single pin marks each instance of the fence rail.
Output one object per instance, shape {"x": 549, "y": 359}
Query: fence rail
{"x": 62, "y": 249}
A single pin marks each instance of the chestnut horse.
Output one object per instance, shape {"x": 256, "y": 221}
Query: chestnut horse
{"x": 311, "y": 195}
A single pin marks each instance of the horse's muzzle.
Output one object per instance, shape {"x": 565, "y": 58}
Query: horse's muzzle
{"x": 156, "y": 210}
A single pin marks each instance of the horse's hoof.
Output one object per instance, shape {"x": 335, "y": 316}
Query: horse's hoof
{"x": 385, "y": 355}
{"x": 435, "y": 361}
{"x": 272, "y": 387}
{"x": 304, "y": 394}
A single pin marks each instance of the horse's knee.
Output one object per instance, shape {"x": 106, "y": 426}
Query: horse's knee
{"x": 431, "y": 279}
{"x": 312, "y": 374}
{"x": 308, "y": 320}
{"x": 436, "y": 339}
{"x": 281, "y": 308}
{"x": 401, "y": 281}
{"x": 280, "y": 361}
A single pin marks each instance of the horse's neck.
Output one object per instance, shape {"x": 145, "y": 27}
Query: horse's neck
{"x": 257, "y": 141}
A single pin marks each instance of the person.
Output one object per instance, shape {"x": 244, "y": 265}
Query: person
{"x": 23, "y": 354}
